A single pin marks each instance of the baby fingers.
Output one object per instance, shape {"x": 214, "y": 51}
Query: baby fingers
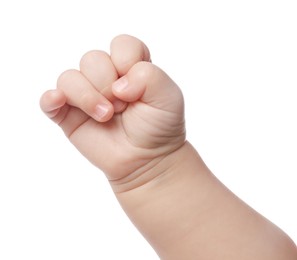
{"x": 80, "y": 93}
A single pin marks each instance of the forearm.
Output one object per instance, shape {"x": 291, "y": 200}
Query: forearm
{"x": 186, "y": 213}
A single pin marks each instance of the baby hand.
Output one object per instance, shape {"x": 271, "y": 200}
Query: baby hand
{"x": 121, "y": 112}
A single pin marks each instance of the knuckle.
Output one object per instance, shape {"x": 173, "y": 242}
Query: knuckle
{"x": 92, "y": 55}
{"x": 66, "y": 77}
{"x": 145, "y": 70}
{"x": 126, "y": 51}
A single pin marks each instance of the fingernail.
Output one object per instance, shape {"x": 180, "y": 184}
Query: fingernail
{"x": 120, "y": 85}
{"x": 101, "y": 110}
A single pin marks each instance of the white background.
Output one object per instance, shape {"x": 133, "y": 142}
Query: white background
{"x": 236, "y": 62}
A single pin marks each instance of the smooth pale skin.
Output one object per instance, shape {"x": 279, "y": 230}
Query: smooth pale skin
{"x": 126, "y": 116}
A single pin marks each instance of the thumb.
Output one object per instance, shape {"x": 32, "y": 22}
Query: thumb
{"x": 149, "y": 84}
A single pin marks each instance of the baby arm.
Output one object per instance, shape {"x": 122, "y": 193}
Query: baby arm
{"x": 126, "y": 116}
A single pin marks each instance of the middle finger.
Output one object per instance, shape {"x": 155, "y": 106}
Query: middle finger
{"x": 98, "y": 68}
